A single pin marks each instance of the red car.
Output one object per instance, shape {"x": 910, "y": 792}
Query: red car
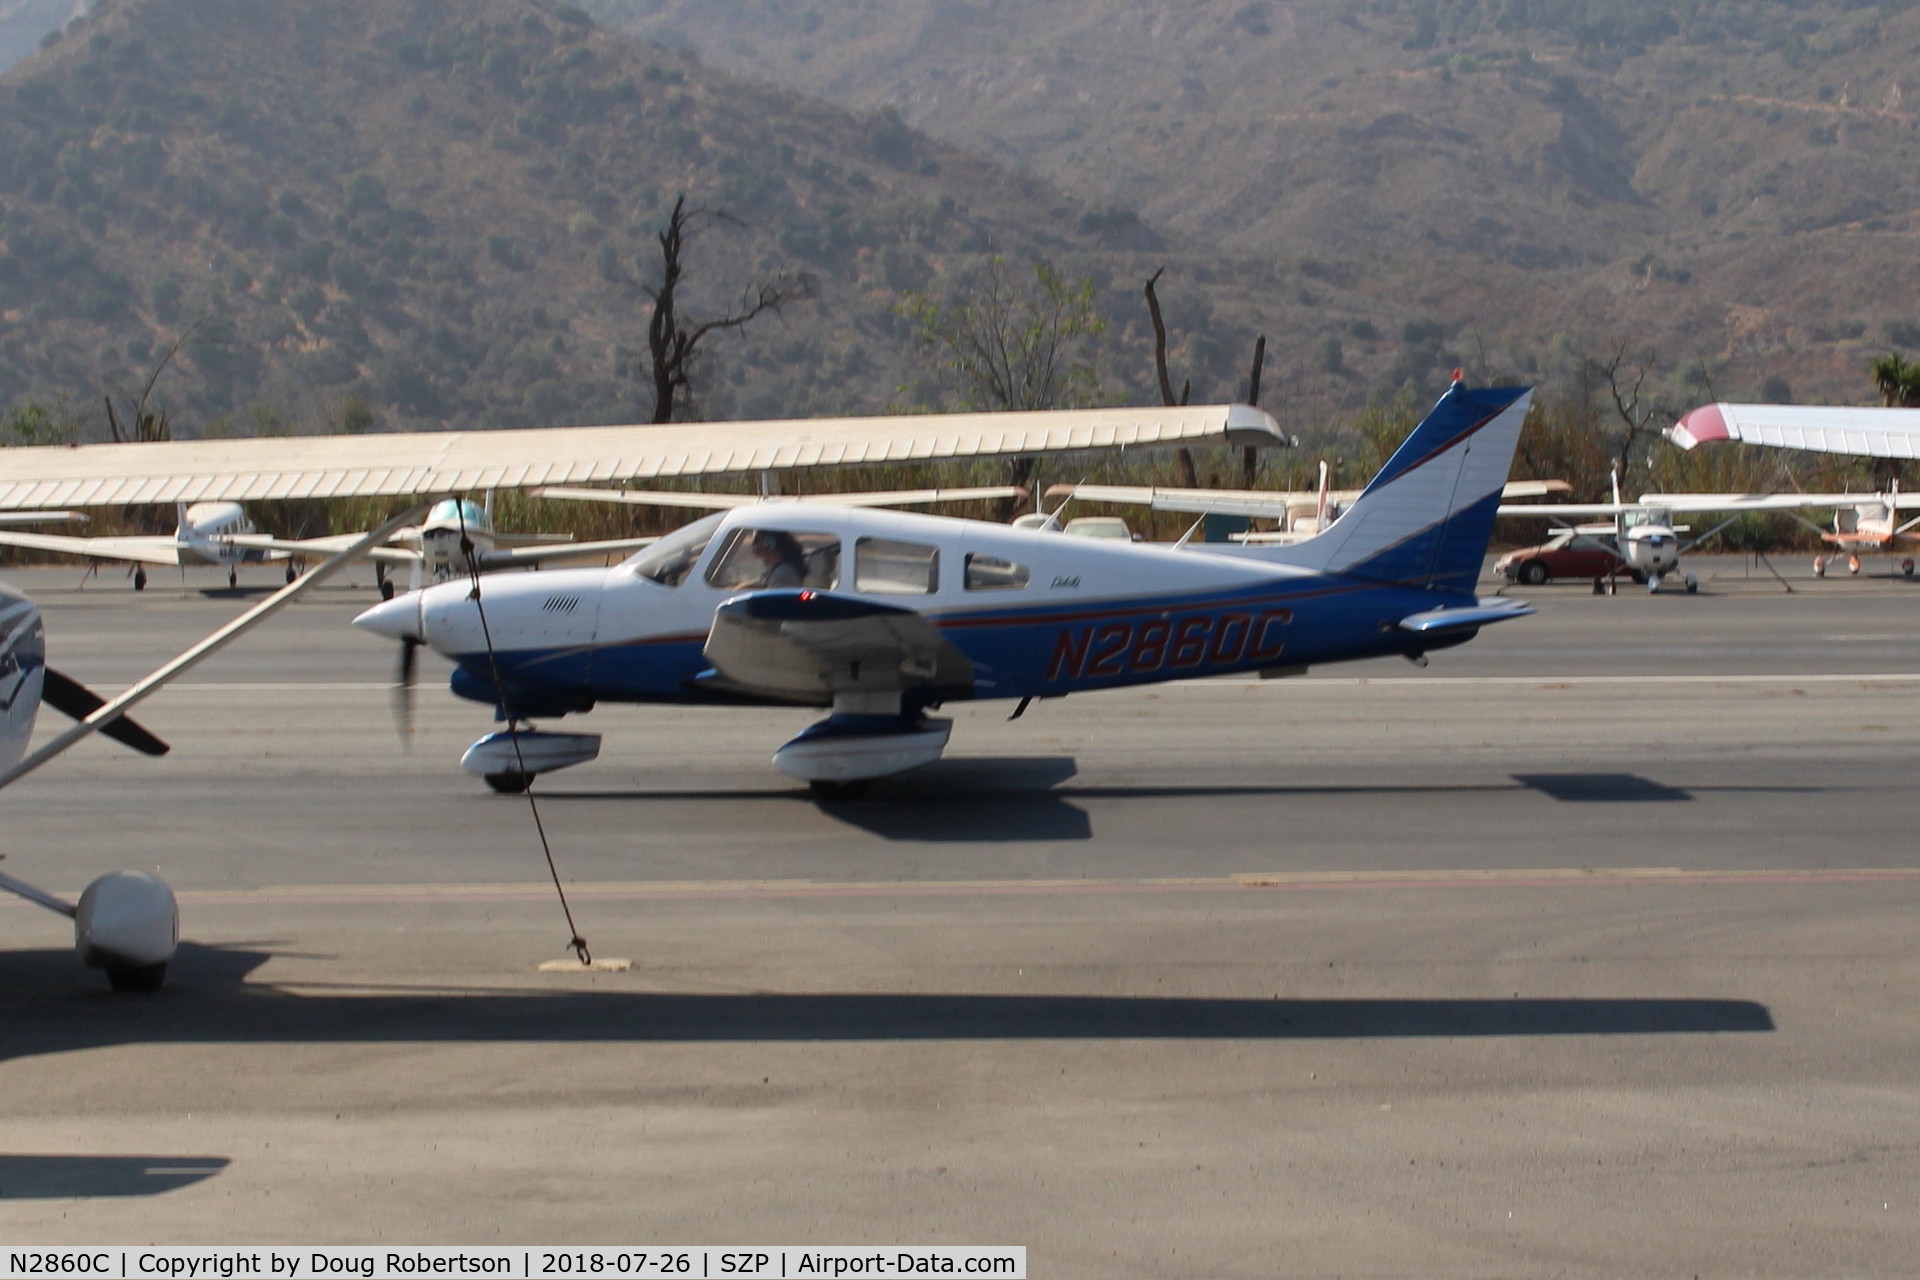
{"x": 1565, "y": 555}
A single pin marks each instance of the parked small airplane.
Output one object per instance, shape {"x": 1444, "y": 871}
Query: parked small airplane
{"x": 883, "y": 616}
{"x": 456, "y": 538}
{"x": 208, "y": 533}
{"x": 125, "y": 922}
{"x": 1862, "y": 524}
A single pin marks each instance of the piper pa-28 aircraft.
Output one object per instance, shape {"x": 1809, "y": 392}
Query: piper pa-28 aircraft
{"x": 884, "y": 616}
{"x": 127, "y": 923}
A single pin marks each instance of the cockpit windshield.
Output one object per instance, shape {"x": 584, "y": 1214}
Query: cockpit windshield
{"x": 458, "y": 511}
{"x": 1635, "y": 517}
{"x": 668, "y": 560}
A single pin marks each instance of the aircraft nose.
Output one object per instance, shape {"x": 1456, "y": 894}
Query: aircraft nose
{"x": 396, "y": 619}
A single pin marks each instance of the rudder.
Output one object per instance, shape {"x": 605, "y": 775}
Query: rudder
{"x": 1426, "y": 519}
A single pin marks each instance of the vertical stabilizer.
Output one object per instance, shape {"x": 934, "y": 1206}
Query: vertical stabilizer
{"x": 1426, "y": 519}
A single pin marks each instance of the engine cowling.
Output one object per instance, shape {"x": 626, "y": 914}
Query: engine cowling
{"x": 128, "y": 924}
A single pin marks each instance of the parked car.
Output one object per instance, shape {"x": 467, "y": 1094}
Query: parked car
{"x": 1565, "y": 555}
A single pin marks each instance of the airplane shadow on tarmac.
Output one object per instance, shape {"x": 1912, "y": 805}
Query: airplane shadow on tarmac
{"x": 1031, "y": 798}
{"x": 63, "y": 1177}
{"x": 49, "y": 1006}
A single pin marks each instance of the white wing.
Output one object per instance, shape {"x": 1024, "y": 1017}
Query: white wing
{"x": 135, "y": 548}
{"x": 1862, "y": 432}
{"x": 463, "y": 461}
{"x": 728, "y": 501}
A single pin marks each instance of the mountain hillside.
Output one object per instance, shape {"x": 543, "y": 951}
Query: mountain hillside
{"x": 1732, "y": 182}
{"x": 376, "y": 213}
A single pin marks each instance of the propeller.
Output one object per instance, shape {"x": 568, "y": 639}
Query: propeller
{"x": 404, "y": 684}
{"x": 71, "y": 698}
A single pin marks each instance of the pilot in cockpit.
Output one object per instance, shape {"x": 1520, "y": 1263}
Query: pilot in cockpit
{"x": 785, "y": 563}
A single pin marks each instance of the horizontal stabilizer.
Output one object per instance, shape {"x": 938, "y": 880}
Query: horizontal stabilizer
{"x": 1486, "y": 613}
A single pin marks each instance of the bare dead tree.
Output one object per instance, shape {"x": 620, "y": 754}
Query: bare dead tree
{"x": 674, "y": 340}
{"x": 1188, "y": 476}
{"x": 147, "y": 424}
{"x": 1626, "y": 375}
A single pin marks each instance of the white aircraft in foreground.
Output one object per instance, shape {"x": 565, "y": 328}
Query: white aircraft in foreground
{"x": 125, "y": 922}
{"x": 884, "y": 616}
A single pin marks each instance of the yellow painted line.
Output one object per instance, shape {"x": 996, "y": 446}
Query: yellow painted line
{"x": 1243, "y": 882}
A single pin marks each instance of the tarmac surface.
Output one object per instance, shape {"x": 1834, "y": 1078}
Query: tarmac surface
{"x": 1588, "y": 950}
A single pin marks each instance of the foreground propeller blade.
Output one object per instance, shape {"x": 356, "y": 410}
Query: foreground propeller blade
{"x": 403, "y": 691}
{"x": 71, "y": 698}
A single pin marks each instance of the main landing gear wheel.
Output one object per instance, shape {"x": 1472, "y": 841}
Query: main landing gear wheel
{"x": 509, "y": 784}
{"x": 144, "y": 977}
{"x": 1819, "y": 567}
{"x": 827, "y": 791}
{"x": 139, "y": 579}
{"x": 1906, "y": 567}
{"x": 233, "y": 579}
{"x": 1533, "y": 573}
{"x": 1853, "y": 564}
{"x": 291, "y": 575}
{"x": 386, "y": 589}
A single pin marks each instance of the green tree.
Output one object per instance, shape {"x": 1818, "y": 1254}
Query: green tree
{"x": 34, "y": 422}
{"x": 1009, "y": 344}
{"x": 1897, "y": 380}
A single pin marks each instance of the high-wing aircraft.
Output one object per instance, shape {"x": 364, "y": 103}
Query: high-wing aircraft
{"x": 883, "y": 616}
{"x": 1863, "y": 523}
{"x": 125, "y": 922}
{"x": 1860, "y": 432}
{"x": 208, "y": 533}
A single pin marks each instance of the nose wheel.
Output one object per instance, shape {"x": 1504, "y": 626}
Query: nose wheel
{"x": 233, "y": 578}
{"x": 1853, "y": 564}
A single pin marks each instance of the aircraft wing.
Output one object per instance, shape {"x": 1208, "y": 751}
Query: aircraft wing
{"x": 430, "y": 463}
{"x": 728, "y": 501}
{"x": 1569, "y": 510}
{"x": 1861, "y": 432}
{"x": 521, "y": 557}
{"x": 41, "y": 517}
{"x": 1777, "y": 501}
{"x": 1271, "y": 503}
{"x": 808, "y": 646}
{"x": 133, "y": 548}
{"x": 321, "y": 548}
{"x": 1275, "y": 504}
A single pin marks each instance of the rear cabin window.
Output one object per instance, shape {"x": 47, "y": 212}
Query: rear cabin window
{"x": 885, "y": 567}
{"x": 772, "y": 559}
{"x": 991, "y": 573}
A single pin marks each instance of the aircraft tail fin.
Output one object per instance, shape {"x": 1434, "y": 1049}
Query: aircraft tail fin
{"x": 1426, "y": 519}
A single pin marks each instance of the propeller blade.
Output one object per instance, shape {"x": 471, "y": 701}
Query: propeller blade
{"x": 71, "y": 698}
{"x": 403, "y": 691}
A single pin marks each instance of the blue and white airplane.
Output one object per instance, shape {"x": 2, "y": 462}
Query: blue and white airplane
{"x": 884, "y": 616}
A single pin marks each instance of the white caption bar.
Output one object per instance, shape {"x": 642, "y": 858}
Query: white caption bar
{"x": 744, "y": 1262}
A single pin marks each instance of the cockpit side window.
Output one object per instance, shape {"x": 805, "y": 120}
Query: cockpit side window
{"x": 763, "y": 559}
{"x": 669, "y": 560}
